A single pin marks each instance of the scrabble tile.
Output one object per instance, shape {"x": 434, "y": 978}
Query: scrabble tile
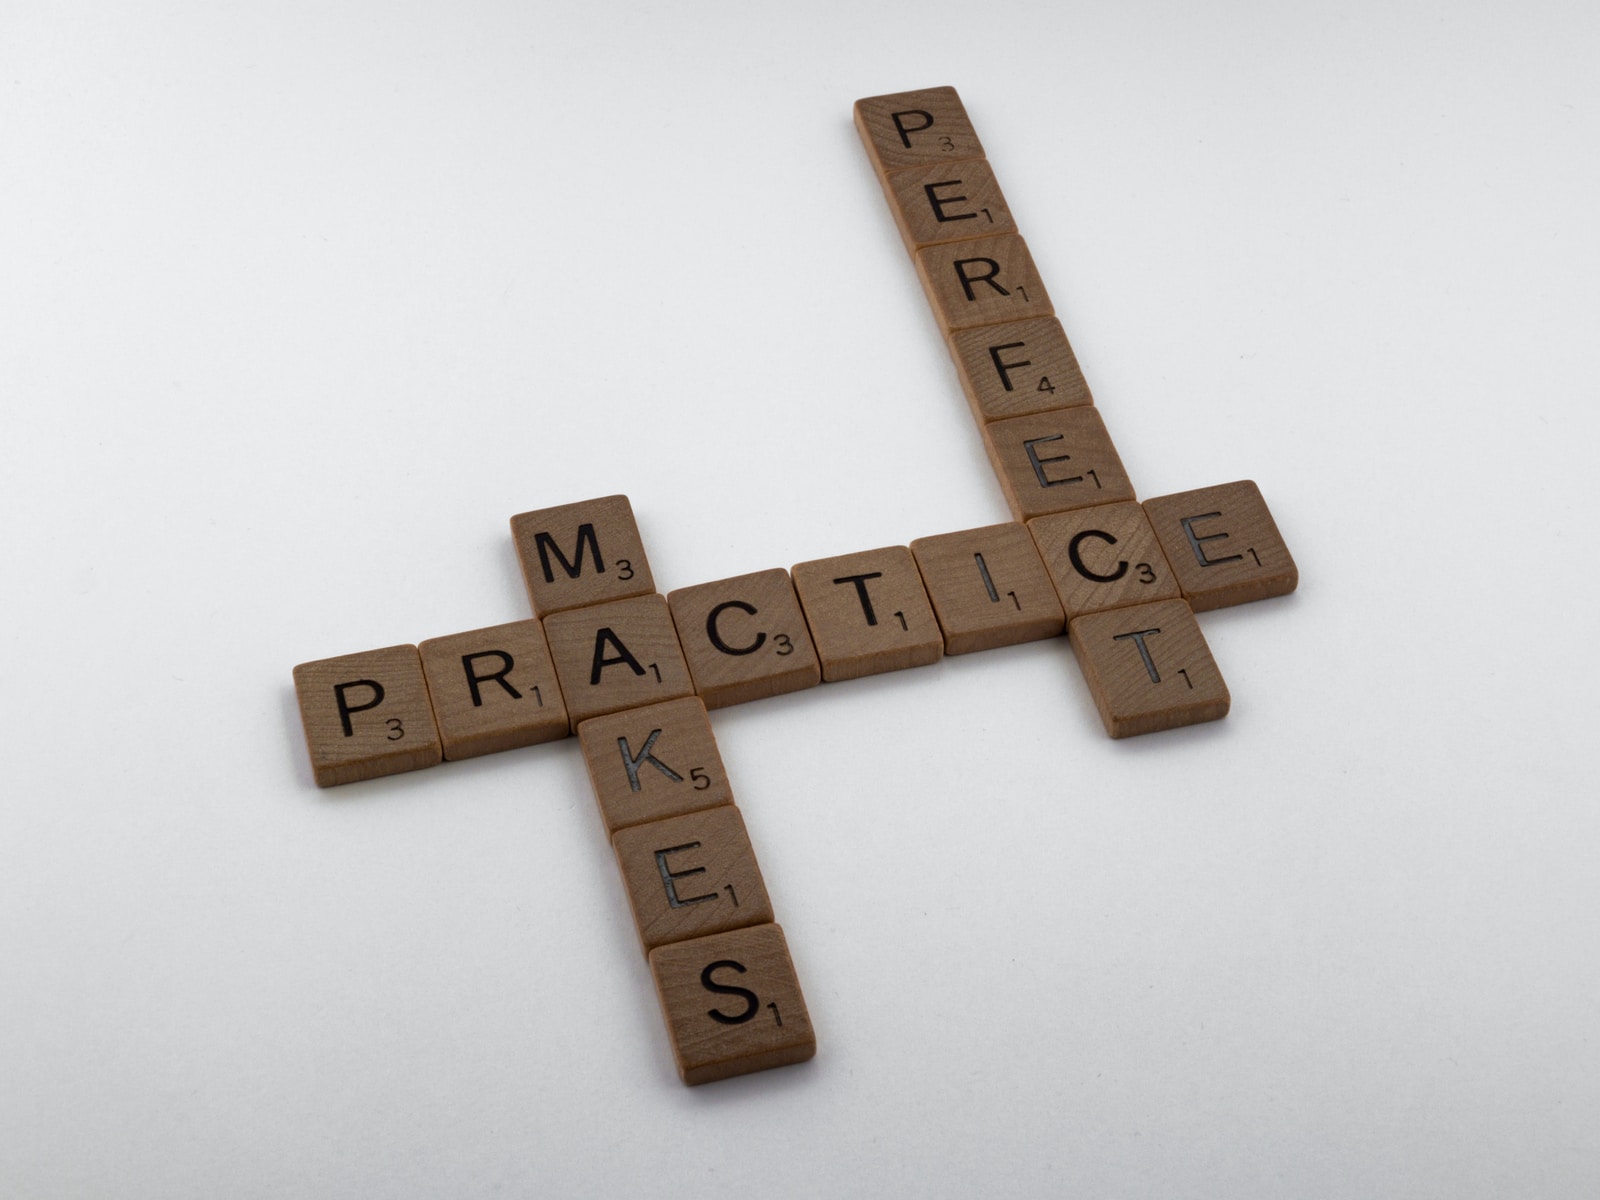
{"x": 1223, "y": 544}
{"x": 947, "y": 202}
{"x": 982, "y": 282}
{"x": 1103, "y": 557}
{"x": 575, "y": 555}
{"x": 366, "y": 715}
{"x": 690, "y": 876}
{"x": 988, "y": 588}
{"x": 745, "y": 638}
{"x": 868, "y": 613}
{"x": 1056, "y": 461}
{"x": 909, "y": 129}
{"x": 732, "y": 1004}
{"x": 654, "y": 762}
{"x": 1148, "y": 668}
{"x": 493, "y": 689}
{"x": 1018, "y": 368}
{"x": 609, "y": 657}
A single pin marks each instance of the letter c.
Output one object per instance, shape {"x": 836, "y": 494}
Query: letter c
{"x": 1081, "y": 568}
{"x": 716, "y": 637}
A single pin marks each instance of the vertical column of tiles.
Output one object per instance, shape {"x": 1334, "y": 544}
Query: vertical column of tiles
{"x": 366, "y": 715}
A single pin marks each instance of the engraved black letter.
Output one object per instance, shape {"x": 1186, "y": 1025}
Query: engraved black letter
{"x": 1194, "y": 542}
{"x": 968, "y": 280}
{"x": 716, "y": 637}
{"x": 547, "y": 546}
{"x": 1002, "y": 368}
{"x": 938, "y": 202}
{"x": 499, "y": 676}
{"x": 601, "y": 662}
{"x": 905, "y": 133}
{"x": 1077, "y": 559}
{"x": 631, "y": 764}
{"x": 1144, "y": 652}
{"x": 1039, "y": 463}
{"x": 861, "y": 592}
{"x": 752, "y": 1005}
{"x": 669, "y": 876}
{"x": 345, "y": 710}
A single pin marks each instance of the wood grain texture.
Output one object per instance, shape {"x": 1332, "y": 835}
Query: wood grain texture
{"x": 868, "y": 613}
{"x": 947, "y": 202}
{"x": 1056, "y": 461}
{"x": 908, "y": 129}
{"x": 366, "y": 715}
{"x": 690, "y": 876}
{"x": 982, "y": 282}
{"x": 1223, "y": 544}
{"x": 654, "y": 762}
{"x": 745, "y": 638}
{"x": 609, "y": 657}
{"x": 1148, "y": 668}
{"x": 1018, "y": 368}
{"x": 1103, "y": 557}
{"x": 988, "y": 588}
{"x": 493, "y": 689}
{"x": 576, "y": 555}
{"x": 732, "y": 1004}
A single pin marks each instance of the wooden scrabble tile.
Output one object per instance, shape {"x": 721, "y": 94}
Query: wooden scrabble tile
{"x": 1103, "y": 557}
{"x": 654, "y": 762}
{"x": 1148, "y": 668}
{"x": 1223, "y": 544}
{"x": 609, "y": 657}
{"x": 1056, "y": 461}
{"x": 982, "y": 282}
{"x": 575, "y": 555}
{"x": 493, "y": 689}
{"x": 690, "y": 876}
{"x": 1018, "y": 368}
{"x": 988, "y": 588}
{"x": 745, "y": 638}
{"x": 732, "y": 1004}
{"x": 909, "y": 129}
{"x": 366, "y": 715}
{"x": 947, "y": 202}
{"x": 868, "y": 613}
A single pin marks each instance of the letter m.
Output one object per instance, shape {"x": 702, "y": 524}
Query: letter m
{"x": 547, "y": 547}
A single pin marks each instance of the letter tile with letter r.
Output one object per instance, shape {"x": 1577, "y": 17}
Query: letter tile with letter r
{"x": 494, "y": 689}
{"x": 982, "y": 282}
{"x": 366, "y": 715}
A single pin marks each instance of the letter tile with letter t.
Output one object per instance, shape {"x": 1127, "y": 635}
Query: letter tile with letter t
{"x": 366, "y": 715}
{"x": 868, "y": 613}
{"x": 1148, "y": 668}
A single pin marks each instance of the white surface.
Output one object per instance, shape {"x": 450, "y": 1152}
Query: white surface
{"x": 300, "y": 303}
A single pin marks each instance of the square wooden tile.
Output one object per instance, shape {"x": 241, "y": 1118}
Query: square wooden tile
{"x": 1223, "y": 544}
{"x": 609, "y": 657}
{"x": 1056, "y": 461}
{"x": 493, "y": 689}
{"x": 1148, "y": 668}
{"x": 988, "y": 588}
{"x": 947, "y": 202}
{"x": 982, "y": 282}
{"x": 909, "y": 129}
{"x": 732, "y": 1004}
{"x": 745, "y": 638}
{"x": 575, "y": 555}
{"x": 868, "y": 613}
{"x": 1103, "y": 557}
{"x": 1018, "y": 368}
{"x": 690, "y": 876}
{"x": 366, "y": 715}
{"x": 654, "y": 762}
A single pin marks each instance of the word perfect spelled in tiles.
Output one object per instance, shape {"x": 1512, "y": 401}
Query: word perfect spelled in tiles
{"x": 1148, "y": 668}
{"x": 982, "y": 282}
{"x": 868, "y": 613}
{"x": 609, "y": 657}
{"x": 1103, "y": 557}
{"x": 745, "y": 638}
{"x": 493, "y": 689}
{"x": 912, "y": 129}
{"x": 575, "y": 555}
{"x": 690, "y": 876}
{"x": 366, "y": 715}
{"x": 1018, "y": 368}
{"x": 1056, "y": 461}
{"x": 947, "y": 202}
{"x": 654, "y": 762}
{"x": 988, "y": 588}
{"x": 1223, "y": 544}
{"x": 732, "y": 1004}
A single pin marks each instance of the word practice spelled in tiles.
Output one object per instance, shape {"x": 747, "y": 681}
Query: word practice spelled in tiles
{"x": 732, "y": 1004}
{"x": 1223, "y": 544}
{"x": 868, "y": 613}
{"x": 745, "y": 638}
{"x": 913, "y": 129}
{"x": 653, "y": 762}
{"x": 982, "y": 282}
{"x": 580, "y": 554}
{"x": 1055, "y": 461}
{"x": 1018, "y": 368}
{"x": 1148, "y": 668}
{"x": 493, "y": 689}
{"x": 1103, "y": 557}
{"x": 609, "y": 657}
{"x": 988, "y": 588}
{"x": 366, "y": 715}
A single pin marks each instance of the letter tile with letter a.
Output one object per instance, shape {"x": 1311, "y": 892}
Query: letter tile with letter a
{"x": 494, "y": 689}
{"x": 732, "y": 1004}
{"x": 988, "y": 588}
{"x": 366, "y": 715}
{"x": 910, "y": 129}
{"x": 1148, "y": 668}
{"x": 1223, "y": 544}
{"x": 745, "y": 638}
{"x": 868, "y": 613}
{"x": 615, "y": 656}
{"x": 575, "y": 555}
{"x": 1056, "y": 461}
{"x": 654, "y": 762}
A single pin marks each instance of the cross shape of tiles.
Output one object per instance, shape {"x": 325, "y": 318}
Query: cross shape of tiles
{"x": 632, "y": 673}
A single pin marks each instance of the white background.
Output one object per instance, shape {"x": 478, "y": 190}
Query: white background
{"x": 300, "y": 302}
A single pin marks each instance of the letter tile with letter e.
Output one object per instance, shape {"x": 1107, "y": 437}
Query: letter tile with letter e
{"x": 654, "y": 762}
{"x": 1056, "y": 461}
{"x": 868, "y": 613}
{"x": 1148, "y": 668}
{"x": 947, "y": 202}
{"x": 366, "y": 715}
{"x": 745, "y": 638}
{"x": 609, "y": 657}
{"x": 988, "y": 588}
{"x": 1223, "y": 544}
{"x": 493, "y": 689}
{"x": 575, "y": 555}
